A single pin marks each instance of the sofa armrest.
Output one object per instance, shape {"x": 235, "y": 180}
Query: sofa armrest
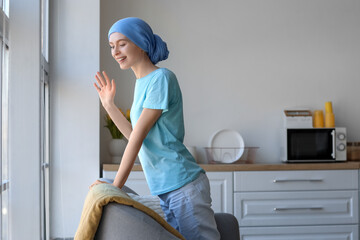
{"x": 228, "y": 226}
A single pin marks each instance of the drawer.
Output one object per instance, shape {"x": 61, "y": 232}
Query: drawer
{"x": 296, "y": 180}
{"x": 296, "y": 208}
{"x": 349, "y": 232}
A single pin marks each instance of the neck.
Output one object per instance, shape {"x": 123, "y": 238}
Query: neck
{"x": 143, "y": 68}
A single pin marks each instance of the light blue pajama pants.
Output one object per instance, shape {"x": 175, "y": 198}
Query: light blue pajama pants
{"x": 188, "y": 210}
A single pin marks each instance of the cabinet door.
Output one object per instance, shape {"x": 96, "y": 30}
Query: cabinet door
{"x": 221, "y": 187}
{"x": 334, "y": 232}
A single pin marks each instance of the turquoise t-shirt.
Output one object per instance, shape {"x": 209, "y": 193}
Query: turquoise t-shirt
{"x": 166, "y": 162}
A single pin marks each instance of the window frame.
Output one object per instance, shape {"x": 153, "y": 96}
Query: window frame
{"x": 4, "y": 116}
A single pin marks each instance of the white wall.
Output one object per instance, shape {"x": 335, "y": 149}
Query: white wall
{"x": 241, "y": 63}
{"x": 74, "y": 59}
{"x": 24, "y": 120}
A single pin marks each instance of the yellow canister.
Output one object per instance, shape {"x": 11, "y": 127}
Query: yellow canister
{"x": 328, "y": 107}
{"x": 329, "y": 115}
{"x": 318, "y": 119}
{"x": 329, "y": 120}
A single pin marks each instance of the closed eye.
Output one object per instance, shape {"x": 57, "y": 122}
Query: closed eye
{"x": 121, "y": 45}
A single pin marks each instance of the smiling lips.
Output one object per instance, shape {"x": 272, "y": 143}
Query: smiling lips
{"x": 120, "y": 60}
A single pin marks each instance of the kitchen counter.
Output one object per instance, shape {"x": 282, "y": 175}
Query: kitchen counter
{"x": 261, "y": 166}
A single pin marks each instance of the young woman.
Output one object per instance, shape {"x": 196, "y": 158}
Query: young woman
{"x": 156, "y": 131}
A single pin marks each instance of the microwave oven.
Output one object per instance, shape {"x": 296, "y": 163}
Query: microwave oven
{"x": 314, "y": 145}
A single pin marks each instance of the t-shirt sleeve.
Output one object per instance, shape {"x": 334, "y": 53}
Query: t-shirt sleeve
{"x": 157, "y": 93}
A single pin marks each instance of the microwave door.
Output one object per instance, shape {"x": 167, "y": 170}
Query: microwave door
{"x": 310, "y": 144}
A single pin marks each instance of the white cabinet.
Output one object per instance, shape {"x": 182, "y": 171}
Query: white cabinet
{"x": 221, "y": 187}
{"x": 282, "y": 205}
{"x": 297, "y": 204}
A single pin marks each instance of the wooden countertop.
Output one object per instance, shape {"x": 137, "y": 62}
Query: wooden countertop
{"x": 261, "y": 166}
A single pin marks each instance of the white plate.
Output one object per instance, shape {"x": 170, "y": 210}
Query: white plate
{"x": 227, "y": 146}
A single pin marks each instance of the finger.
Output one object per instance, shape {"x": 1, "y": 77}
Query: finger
{"x": 106, "y": 78}
{"x": 97, "y": 182}
{"x": 99, "y": 81}
{"x": 105, "y": 75}
{"x": 113, "y": 86}
{"x": 92, "y": 185}
{"x": 97, "y": 88}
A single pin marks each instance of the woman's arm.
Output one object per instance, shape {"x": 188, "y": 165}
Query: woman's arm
{"x": 106, "y": 91}
{"x": 120, "y": 120}
{"x": 146, "y": 121}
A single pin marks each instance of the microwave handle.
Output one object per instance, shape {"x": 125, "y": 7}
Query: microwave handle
{"x": 333, "y": 144}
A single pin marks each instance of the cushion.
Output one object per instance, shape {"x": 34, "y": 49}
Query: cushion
{"x": 150, "y": 201}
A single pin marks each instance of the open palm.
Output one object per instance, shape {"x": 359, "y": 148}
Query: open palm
{"x": 105, "y": 88}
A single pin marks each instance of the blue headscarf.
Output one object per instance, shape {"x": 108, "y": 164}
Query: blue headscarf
{"x": 140, "y": 33}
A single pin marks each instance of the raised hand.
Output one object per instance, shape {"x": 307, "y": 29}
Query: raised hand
{"x": 105, "y": 88}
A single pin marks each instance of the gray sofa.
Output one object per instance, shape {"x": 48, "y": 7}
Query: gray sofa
{"x": 125, "y": 222}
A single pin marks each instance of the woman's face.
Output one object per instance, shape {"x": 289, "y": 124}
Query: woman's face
{"x": 124, "y": 51}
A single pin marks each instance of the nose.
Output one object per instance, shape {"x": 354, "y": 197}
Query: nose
{"x": 115, "y": 50}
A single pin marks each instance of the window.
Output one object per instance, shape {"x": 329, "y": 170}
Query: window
{"x": 44, "y": 118}
{"x": 4, "y": 67}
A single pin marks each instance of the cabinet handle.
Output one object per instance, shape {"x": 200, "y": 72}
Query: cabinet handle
{"x": 297, "y": 208}
{"x": 297, "y": 180}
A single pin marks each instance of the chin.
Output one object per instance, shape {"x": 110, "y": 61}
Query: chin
{"x": 124, "y": 67}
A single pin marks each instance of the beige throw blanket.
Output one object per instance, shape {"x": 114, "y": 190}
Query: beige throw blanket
{"x": 99, "y": 196}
